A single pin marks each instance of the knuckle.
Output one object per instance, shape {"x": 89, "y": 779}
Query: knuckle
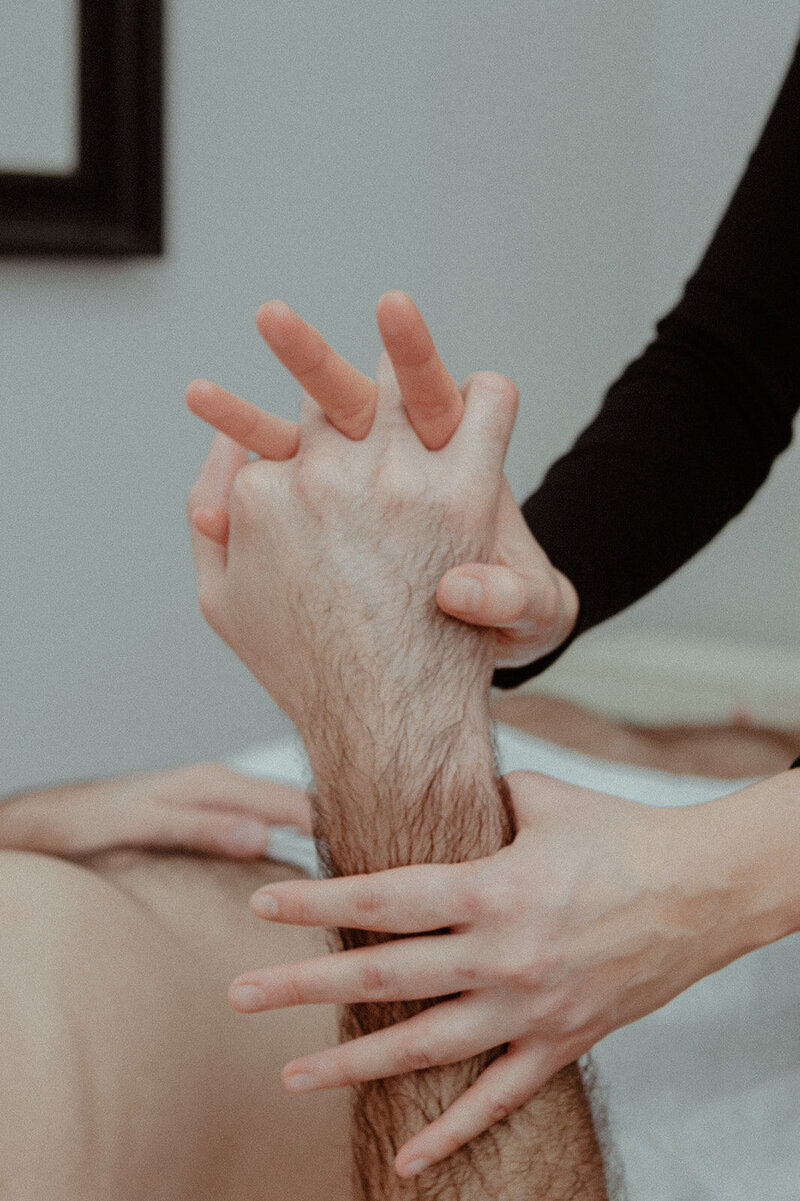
{"x": 466, "y": 975}
{"x": 199, "y": 831}
{"x": 577, "y": 1016}
{"x": 376, "y": 981}
{"x": 295, "y": 906}
{"x": 368, "y": 903}
{"x": 472, "y": 900}
{"x": 294, "y": 991}
{"x": 501, "y": 902}
{"x": 208, "y": 600}
{"x": 435, "y": 405}
{"x": 503, "y": 392}
{"x": 527, "y": 973}
{"x": 402, "y": 485}
{"x": 552, "y": 1012}
{"x": 315, "y": 366}
{"x": 416, "y": 1056}
{"x": 321, "y": 482}
{"x": 247, "y": 487}
{"x": 509, "y": 972}
{"x": 250, "y": 419}
{"x": 343, "y": 1072}
{"x": 499, "y": 1110}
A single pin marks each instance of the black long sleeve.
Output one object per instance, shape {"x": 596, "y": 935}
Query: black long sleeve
{"x": 688, "y": 433}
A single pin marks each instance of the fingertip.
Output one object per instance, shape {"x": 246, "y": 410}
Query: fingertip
{"x": 296, "y": 1081}
{"x": 391, "y": 305}
{"x": 274, "y": 308}
{"x": 196, "y": 392}
{"x": 246, "y": 997}
{"x": 269, "y": 320}
{"x": 264, "y": 905}
{"x": 410, "y": 1164}
{"x": 395, "y": 296}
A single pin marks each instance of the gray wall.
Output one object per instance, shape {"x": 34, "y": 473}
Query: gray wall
{"x": 539, "y": 177}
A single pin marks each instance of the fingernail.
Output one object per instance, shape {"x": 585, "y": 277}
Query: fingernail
{"x": 250, "y": 836}
{"x": 264, "y": 905}
{"x": 463, "y": 593}
{"x": 301, "y": 1082}
{"x": 248, "y": 996}
{"x": 415, "y": 1167}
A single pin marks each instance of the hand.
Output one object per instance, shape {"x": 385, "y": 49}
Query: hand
{"x": 599, "y": 912}
{"x": 343, "y": 544}
{"x": 204, "y": 807}
{"x": 532, "y": 606}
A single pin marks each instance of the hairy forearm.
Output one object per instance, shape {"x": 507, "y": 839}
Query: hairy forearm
{"x": 413, "y": 781}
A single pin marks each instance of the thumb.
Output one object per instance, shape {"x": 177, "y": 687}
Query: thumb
{"x": 532, "y": 614}
{"x": 484, "y": 594}
{"x": 489, "y": 594}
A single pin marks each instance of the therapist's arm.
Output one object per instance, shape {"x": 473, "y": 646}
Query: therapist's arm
{"x": 601, "y": 911}
{"x": 689, "y": 432}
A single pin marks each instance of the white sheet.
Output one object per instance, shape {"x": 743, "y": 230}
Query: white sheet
{"x": 704, "y": 1095}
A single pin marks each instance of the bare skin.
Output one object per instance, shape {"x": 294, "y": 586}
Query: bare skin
{"x": 321, "y": 651}
{"x": 114, "y": 928}
{"x": 517, "y": 592}
{"x": 727, "y": 752}
{"x": 106, "y": 1090}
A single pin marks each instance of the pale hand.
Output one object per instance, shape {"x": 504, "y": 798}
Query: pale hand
{"x": 333, "y": 555}
{"x": 599, "y": 912}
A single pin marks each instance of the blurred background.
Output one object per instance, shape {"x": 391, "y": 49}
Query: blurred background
{"x": 540, "y": 178}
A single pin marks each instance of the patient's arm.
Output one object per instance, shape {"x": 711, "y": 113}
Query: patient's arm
{"x": 417, "y": 785}
{"x": 326, "y": 591}
{"x": 201, "y": 807}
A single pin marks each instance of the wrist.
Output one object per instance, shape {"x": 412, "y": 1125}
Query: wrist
{"x": 739, "y": 861}
{"x": 433, "y": 695}
{"x": 759, "y": 834}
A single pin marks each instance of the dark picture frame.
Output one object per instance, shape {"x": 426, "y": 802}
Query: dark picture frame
{"x": 112, "y": 203}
